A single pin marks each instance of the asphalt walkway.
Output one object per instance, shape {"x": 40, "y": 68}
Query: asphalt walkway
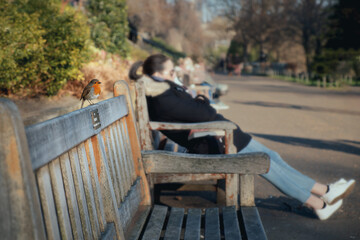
{"x": 316, "y": 131}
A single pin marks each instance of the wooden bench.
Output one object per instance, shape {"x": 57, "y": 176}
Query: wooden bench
{"x": 232, "y": 189}
{"x": 83, "y": 176}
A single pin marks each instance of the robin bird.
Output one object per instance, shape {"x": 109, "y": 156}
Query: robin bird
{"x": 91, "y": 91}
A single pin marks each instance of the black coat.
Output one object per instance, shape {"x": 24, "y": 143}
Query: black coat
{"x": 174, "y": 104}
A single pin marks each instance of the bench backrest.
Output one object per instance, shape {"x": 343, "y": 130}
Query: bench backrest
{"x": 75, "y": 176}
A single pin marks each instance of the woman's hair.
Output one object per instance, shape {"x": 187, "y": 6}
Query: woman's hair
{"x": 153, "y": 64}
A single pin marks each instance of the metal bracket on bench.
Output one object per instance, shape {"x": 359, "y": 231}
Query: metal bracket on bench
{"x": 95, "y": 119}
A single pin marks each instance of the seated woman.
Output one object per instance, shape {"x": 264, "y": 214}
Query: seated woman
{"x": 169, "y": 102}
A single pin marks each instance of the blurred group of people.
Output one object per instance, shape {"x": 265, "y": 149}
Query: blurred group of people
{"x": 198, "y": 81}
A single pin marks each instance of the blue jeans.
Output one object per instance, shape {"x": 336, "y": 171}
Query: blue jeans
{"x": 281, "y": 175}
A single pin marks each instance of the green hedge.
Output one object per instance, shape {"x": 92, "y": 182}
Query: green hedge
{"x": 109, "y": 25}
{"x": 41, "y": 48}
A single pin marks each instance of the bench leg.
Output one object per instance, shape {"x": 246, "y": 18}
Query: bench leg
{"x": 232, "y": 190}
{"x": 247, "y": 190}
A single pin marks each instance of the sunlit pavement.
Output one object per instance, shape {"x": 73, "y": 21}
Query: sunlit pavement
{"x": 316, "y": 131}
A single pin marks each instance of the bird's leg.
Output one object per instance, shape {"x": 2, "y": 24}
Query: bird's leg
{"x": 91, "y": 103}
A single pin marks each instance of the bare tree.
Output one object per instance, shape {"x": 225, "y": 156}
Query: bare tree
{"x": 308, "y": 20}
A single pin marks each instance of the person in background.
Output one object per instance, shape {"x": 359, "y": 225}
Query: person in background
{"x": 169, "y": 102}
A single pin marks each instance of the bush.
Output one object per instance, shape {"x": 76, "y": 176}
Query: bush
{"x": 22, "y": 49}
{"x": 109, "y": 25}
{"x": 41, "y": 48}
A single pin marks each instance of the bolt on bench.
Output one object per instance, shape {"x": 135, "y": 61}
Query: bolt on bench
{"x": 83, "y": 176}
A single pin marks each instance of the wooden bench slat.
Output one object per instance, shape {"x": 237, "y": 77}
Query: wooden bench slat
{"x": 193, "y": 224}
{"x": 60, "y": 199}
{"x": 93, "y": 156}
{"x": 156, "y": 222}
{"x": 89, "y": 193}
{"x": 252, "y": 223}
{"x": 138, "y": 222}
{"x": 120, "y": 158}
{"x": 48, "y": 140}
{"x": 47, "y": 203}
{"x": 231, "y": 223}
{"x": 110, "y": 232}
{"x": 212, "y": 224}
{"x": 216, "y": 125}
{"x": 80, "y": 194}
{"x": 158, "y": 161}
{"x": 111, "y": 164}
{"x": 125, "y": 155}
{"x": 173, "y": 228}
{"x": 123, "y": 127}
{"x": 71, "y": 196}
{"x": 116, "y": 159}
{"x": 130, "y": 149}
{"x": 130, "y": 204}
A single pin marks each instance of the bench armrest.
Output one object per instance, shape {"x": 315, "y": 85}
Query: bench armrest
{"x": 170, "y": 162}
{"x": 215, "y": 125}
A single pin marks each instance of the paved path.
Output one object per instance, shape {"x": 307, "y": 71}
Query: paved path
{"x": 316, "y": 131}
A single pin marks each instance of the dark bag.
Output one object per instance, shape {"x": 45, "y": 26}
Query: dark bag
{"x": 206, "y": 145}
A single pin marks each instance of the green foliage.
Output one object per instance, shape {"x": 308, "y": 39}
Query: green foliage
{"x": 109, "y": 25}
{"x": 41, "y": 48}
{"x": 338, "y": 62}
{"x": 21, "y": 49}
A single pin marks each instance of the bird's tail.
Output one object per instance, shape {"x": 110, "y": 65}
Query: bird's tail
{"x": 82, "y": 104}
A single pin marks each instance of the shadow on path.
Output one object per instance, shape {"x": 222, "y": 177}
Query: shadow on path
{"x": 284, "y": 204}
{"x": 299, "y": 107}
{"x": 340, "y": 145}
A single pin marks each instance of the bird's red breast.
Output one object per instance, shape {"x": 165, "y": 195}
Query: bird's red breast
{"x": 97, "y": 89}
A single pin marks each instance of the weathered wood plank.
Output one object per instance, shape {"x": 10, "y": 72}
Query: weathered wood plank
{"x": 125, "y": 133}
{"x": 48, "y": 203}
{"x": 253, "y": 225}
{"x": 130, "y": 204}
{"x": 247, "y": 190}
{"x": 93, "y": 158}
{"x": 20, "y": 208}
{"x": 89, "y": 193}
{"x": 110, "y": 232}
{"x": 193, "y": 224}
{"x": 60, "y": 200}
{"x": 116, "y": 158}
{"x": 216, "y": 125}
{"x": 125, "y": 154}
{"x": 212, "y": 224}
{"x": 111, "y": 164}
{"x": 231, "y": 223}
{"x": 156, "y": 222}
{"x": 80, "y": 194}
{"x": 122, "y": 88}
{"x": 107, "y": 189}
{"x": 121, "y": 160}
{"x": 50, "y": 139}
{"x": 138, "y": 222}
{"x": 173, "y": 228}
{"x": 232, "y": 189}
{"x": 141, "y": 107}
{"x": 176, "y": 178}
{"x": 168, "y": 162}
{"x": 71, "y": 196}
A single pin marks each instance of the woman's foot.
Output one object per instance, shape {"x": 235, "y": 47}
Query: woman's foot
{"x": 338, "y": 190}
{"x": 328, "y": 210}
